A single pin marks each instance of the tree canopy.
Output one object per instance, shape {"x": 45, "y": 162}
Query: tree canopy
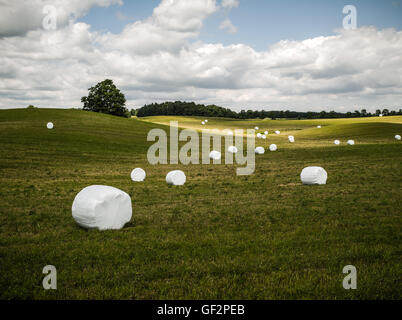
{"x": 179, "y": 108}
{"x": 105, "y": 97}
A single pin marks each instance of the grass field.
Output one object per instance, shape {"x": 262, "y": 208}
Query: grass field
{"x": 220, "y": 236}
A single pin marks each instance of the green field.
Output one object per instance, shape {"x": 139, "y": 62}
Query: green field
{"x": 220, "y": 236}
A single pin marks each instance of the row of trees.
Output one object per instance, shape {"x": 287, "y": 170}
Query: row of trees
{"x": 179, "y": 108}
{"x": 185, "y": 109}
{"x": 105, "y": 97}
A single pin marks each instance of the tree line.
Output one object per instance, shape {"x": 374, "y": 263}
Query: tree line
{"x": 105, "y": 97}
{"x": 180, "y": 108}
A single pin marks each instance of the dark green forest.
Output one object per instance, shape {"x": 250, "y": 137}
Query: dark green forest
{"x": 182, "y": 108}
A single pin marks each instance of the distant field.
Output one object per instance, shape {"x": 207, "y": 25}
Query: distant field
{"x": 220, "y": 236}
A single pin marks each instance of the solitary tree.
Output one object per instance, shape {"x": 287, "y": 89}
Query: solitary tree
{"x": 105, "y": 98}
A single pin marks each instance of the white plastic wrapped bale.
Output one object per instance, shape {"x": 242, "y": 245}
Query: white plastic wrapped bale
{"x": 257, "y": 128}
{"x": 351, "y": 142}
{"x": 398, "y": 137}
{"x": 313, "y": 175}
{"x": 138, "y": 175}
{"x": 229, "y": 133}
{"x": 277, "y": 132}
{"x": 266, "y": 133}
{"x": 206, "y": 121}
{"x": 203, "y": 123}
{"x": 232, "y": 149}
{"x": 337, "y": 142}
{"x": 319, "y": 127}
{"x": 263, "y": 136}
{"x": 102, "y": 207}
{"x": 259, "y": 150}
{"x": 291, "y": 139}
{"x": 215, "y": 155}
{"x": 176, "y": 178}
{"x": 273, "y": 147}
{"x": 50, "y": 125}
{"x": 259, "y": 135}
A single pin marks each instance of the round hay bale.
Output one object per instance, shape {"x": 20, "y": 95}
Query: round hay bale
{"x": 273, "y": 147}
{"x": 398, "y": 137}
{"x": 337, "y": 142}
{"x": 176, "y": 178}
{"x": 102, "y": 207}
{"x": 50, "y": 125}
{"x": 138, "y": 175}
{"x": 215, "y": 155}
{"x": 291, "y": 139}
{"x": 259, "y": 150}
{"x": 351, "y": 142}
{"x": 232, "y": 149}
{"x": 313, "y": 175}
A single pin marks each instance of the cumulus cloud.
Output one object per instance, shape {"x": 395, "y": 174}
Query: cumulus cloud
{"x": 228, "y": 26}
{"x": 172, "y": 23}
{"x": 160, "y": 58}
{"x": 20, "y": 16}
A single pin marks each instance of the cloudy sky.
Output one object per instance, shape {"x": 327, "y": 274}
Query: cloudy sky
{"x": 242, "y": 54}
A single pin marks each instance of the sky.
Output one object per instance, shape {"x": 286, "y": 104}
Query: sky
{"x": 240, "y": 54}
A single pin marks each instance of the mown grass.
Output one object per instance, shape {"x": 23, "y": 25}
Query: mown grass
{"x": 220, "y": 236}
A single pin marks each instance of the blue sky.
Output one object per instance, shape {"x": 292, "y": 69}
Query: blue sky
{"x": 261, "y": 23}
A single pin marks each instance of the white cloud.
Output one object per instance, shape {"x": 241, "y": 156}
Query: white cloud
{"x": 173, "y": 22}
{"x": 160, "y": 59}
{"x": 228, "y": 26}
{"x": 20, "y": 16}
{"x": 230, "y": 4}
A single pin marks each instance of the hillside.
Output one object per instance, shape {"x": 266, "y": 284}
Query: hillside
{"x": 219, "y": 236}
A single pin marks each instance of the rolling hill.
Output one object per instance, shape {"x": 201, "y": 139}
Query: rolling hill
{"x": 220, "y": 236}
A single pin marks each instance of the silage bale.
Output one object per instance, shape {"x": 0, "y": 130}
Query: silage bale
{"x": 102, "y": 207}
{"x": 337, "y": 142}
{"x": 266, "y": 132}
{"x": 398, "y": 137}
{"x": 206, "y": 121}
{"x": 351, "y": 142}
{"x": 319, "y": 127}
{"x": 259, "y": 150}
{"x": 264, "y": 136}
{"x": 259, "y": 135}
{"x": 273, "y": 147}
{"x": 230, "y": 133}
{"x": 50, "y": 125}
{"x": 277, "y": 132}
{"x": 203, "y": 123}
{"x": 176, "y": 178}
{"x": 232, "y": 149}
{"x": 313, "y": 175}
{"x": 291, "y": 139}
{"x": 256, "y": 128}
{"x": 138, "y": 175}
{"x": 215, "y": 155}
